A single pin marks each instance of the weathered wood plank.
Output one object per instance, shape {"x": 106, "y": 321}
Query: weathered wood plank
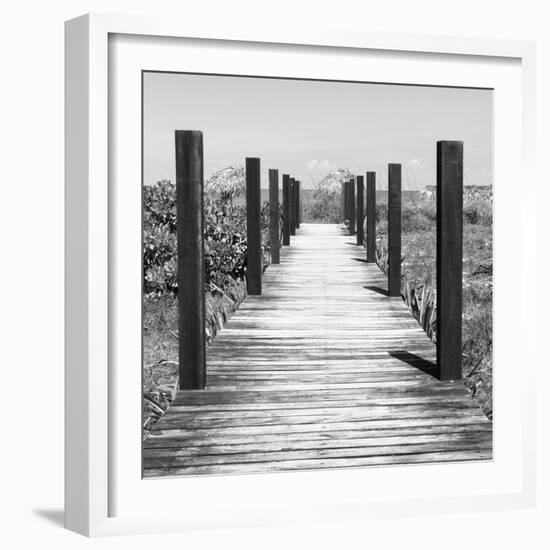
{"x": 323, "y": 463}
{"x": 264, "y": 444}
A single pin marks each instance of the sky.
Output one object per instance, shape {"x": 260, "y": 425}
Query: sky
{"x": 310, "y": 128}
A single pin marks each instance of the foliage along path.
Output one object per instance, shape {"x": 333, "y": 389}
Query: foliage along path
{"x": 321, "y": 371}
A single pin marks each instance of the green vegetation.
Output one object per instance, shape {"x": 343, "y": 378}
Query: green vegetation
{"x": 225, "y": 273}
{"x": 419, "y": 270}
{"x": 324, "y": 205}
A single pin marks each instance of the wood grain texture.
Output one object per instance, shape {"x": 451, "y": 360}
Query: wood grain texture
{"x": 190, "y": 231}
{"x": 286, "y": 209}
{"x": 274, "y": 215}
{"x": 352, "y": 220}
{"x": 321, "y": 371}
{"x": 371, "y": 217}
{"x": 292, "y": 206}
{"x": 449, "y": 259}
{"x": 253, "y": 228}
{"x": 297, "y": 186}
{"x": 360, "y": 204}
{"x": 394, "y": 230}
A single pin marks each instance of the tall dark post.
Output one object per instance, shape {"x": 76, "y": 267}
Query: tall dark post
{"x": 371, "y": 217}
{"x": 342, "y": 201}
{"x": 286, "y": 209}
{"x": 346, "y": 201}
{"x": 292, "y": 206}
{"x": 300, "y": 203}
{"x": 274, "y": 216}
{"x": 449, "y": 259}
{"x": 297, "y": 186}
{"x": 352, "y": 207}
{"x": 360, "y": 209}
{"x": 394, "y": 229}
{"x": 253, "y": 229}
{"x": 190, "y": 236}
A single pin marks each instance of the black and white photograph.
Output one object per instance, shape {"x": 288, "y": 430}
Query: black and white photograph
{"x": 317, "y": 274}
{"x": 275, "y": 275}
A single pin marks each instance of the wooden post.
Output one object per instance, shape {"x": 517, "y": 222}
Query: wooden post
{"x": 297, "y": 190}
{"x": 342, "y": 201}
{"x": 360, "y": 210}
{"x": 394, "y": 230}
{"x": 346, "y": 201}
{"x": 352, "y": 207}
{"x": 292, "y": 206}
{"x": 300, "y": 203}
{"x": 286, "y": 209}
{"x": 371, "y": 217}
{"x": 253, "y": 229}
{"x": 449, "y": 259}
{"x": 274, "y": 215}
{"x": 190, "y": 247}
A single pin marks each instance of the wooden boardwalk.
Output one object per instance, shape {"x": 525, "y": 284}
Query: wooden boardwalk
{"x": 321, "y": 371}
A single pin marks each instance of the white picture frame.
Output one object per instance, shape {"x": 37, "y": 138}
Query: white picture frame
{"x": 97, "y": 413}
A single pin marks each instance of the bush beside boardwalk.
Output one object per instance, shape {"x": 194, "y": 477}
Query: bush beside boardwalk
{"x": 225, "y": 269}
{"x": 419, "y": 281}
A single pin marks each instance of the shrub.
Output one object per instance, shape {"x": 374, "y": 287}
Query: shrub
{"x": 324, "y": 207}
{"x": 224, "y": 239}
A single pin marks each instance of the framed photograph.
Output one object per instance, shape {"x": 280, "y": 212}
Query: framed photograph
{"x": 289, "y": 275}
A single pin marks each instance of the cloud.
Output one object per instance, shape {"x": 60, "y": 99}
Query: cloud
{"x": 323, "y": 166}
{"x": 318, "y": 169}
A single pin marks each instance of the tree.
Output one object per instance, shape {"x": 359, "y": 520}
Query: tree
{"x": 228, "y": 183}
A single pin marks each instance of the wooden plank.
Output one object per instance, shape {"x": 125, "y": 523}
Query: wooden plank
{"x": 321, "y": 427}
{"x": 371, "y": 217}
{"x": 197, "y": 439}
{"x": 190, "y": 231}
{"x": 169, "y": 460}
{"x": 291, "y": 417}
{"x": 359, "y": 414}
{"x": 323, "y": 463}
{"x": 449, "y": 259}
{"x": 335, "y": 441}
{"x": 260, "y": 408}
{"x": 274, "y": 216}
{"x": 394, "y": 230}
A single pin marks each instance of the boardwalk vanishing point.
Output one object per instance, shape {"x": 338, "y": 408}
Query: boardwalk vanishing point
{"x": 323, "y": 370}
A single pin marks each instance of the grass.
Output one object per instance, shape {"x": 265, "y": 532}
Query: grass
{"x": 160, "y": 342}
{"x": 419, "y": 269}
